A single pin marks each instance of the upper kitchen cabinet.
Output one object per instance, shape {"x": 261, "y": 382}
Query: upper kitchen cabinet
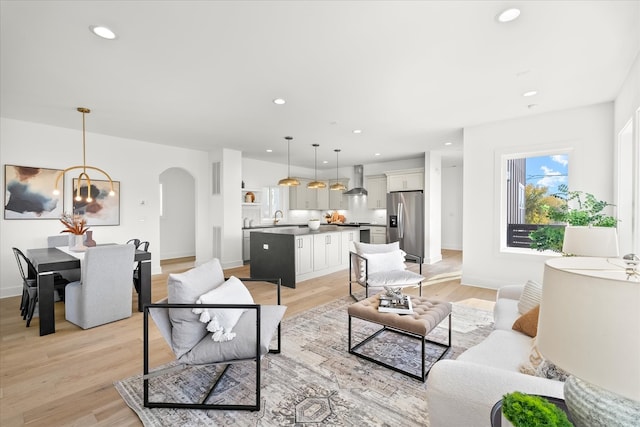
{"x": 323, "y": 197}
{"x": 300, "y": 197}
{"x": 377, "y": 188}
{"x": 405, "y": 180}
{"x": 337, "y": 199}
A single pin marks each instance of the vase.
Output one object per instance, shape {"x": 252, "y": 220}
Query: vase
{"x": 89, "y": 242}
{"x": 78, "y": 244}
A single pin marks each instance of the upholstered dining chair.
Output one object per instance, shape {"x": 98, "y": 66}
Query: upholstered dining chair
{"x": 103, "y": 295}
{"x": 380, "y": 265}
{"x": 29, "y": 276}
{"x": 200, "y": 332}
{"x": 58, "y": 241}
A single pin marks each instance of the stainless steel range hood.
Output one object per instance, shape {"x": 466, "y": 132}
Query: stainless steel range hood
{"x": 358, "y": 175}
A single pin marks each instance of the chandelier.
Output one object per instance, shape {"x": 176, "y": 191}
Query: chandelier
{"x": 83, "y": 175}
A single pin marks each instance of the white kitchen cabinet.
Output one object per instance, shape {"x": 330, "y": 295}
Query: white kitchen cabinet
{"x": 378, "y": 235}
{"x": 301, "y": 197}
{"x": 322, "y": 197}
{"x": 337, "y": 199}
{"x": 326, "y": 250}
{"x": 348, "y": 238}
{"x": 405, "y": 180}
{"x": 377, "y": 189}
{"x": 304, "y": 254}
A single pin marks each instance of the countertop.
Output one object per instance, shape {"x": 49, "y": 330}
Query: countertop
{"x": 277, "y": 226}
{"x": 301, "y": 231}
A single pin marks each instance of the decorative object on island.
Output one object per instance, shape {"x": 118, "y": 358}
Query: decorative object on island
{"x": 335, "y": 218}
{"x": 315, "y": 183}
{"x": 84, "y": 167}
{"x": 338, "y": 186}
{"x": 288, "y": 181}
{"x": 577, "y": 209}
{"x": 601, "y": 352}
{"x": 525, "y": 410}
{"x": 313, "y": 224}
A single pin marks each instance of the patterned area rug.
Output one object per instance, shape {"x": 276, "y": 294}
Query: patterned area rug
{"x": 314, "y": 381}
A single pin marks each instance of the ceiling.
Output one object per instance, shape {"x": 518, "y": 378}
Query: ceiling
{"x": 409, "y": 74}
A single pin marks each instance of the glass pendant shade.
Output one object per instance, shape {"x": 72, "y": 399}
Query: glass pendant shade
{"x": 288, "y": 181}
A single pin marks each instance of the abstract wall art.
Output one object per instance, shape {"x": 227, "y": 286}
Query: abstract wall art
{"x": 29, "y": 193}
{"x": 103, "y": 209}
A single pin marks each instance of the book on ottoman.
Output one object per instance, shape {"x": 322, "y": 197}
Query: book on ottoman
{"x": 395, "y": 304}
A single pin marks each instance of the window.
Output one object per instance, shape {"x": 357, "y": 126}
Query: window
{"x": 531, "y": 182}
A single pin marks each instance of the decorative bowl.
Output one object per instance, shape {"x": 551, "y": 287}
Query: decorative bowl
{"x": 313, "y": 224}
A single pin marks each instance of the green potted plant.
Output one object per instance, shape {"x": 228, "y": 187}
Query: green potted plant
{"x": 524, "y": 410}
{"x": 578, "y": 209}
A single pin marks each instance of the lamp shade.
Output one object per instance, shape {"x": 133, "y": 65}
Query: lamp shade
{"x": 590, "y": 241}
{"x": 589, "y": 322}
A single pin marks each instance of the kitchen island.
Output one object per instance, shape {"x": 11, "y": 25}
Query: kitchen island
{"x": 297, "y": 254}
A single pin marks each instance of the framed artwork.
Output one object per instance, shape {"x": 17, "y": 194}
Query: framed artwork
{"x": 28, "y": 193}
{"x": 104, "y": 209}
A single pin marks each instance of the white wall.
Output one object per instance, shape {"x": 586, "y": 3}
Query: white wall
{"x": 136, "y": 164}
{"x": 587, "y": 132}
{"x": 178, "y": 220}
{"x": 452, "y": 207}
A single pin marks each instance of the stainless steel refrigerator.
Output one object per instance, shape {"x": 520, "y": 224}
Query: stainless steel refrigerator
{"x": 405, "y": 220}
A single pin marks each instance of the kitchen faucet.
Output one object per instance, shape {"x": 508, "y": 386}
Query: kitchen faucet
{"x": 275, "y": 216}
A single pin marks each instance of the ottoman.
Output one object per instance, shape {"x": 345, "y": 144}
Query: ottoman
{"x": 427, "y": 314}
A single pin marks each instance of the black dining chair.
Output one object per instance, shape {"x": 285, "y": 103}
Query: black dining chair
{"x": 142, "y": 246}
{"x": 30, "y": 285}
{"x": 134, "y": 242}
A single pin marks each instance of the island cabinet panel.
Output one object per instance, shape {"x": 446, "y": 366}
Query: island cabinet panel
{"x": 326, "y": 250}
{"x": 304, "y": 254}
{"x": 273, "y": 255}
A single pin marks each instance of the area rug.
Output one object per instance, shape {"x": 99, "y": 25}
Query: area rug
{"x": 314, "y": 381}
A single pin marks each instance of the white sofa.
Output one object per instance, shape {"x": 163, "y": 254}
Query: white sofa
{"x": 462, "y": 392}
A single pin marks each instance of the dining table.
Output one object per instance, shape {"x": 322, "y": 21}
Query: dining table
{"x": 47, "y": 261}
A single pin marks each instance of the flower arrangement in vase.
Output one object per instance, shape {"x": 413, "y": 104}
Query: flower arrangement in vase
{"x": 76, "y": 226}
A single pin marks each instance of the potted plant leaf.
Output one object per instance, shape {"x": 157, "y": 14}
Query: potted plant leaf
{"x": 525, "y": 410}
{"x": 578, "y": 209}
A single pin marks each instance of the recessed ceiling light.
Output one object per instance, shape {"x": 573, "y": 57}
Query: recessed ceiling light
{"x": 269, "y": 150}
{"x": 377, "y": 154}
{"x": 448, "y": 143}
{"x": 508, "y": 15}
{"x": 325, "y": 161}
{"x": 103, "y": 32}
{"x": 357, "y": 131}
{"x": 279, "y": 101}
{"x": 530, "y": 93}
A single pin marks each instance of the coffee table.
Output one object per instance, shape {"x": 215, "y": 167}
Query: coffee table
{"x": 427, "y": 314}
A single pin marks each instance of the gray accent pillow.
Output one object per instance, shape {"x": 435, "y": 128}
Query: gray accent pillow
{"x": 186, "y": 288}
{"x": 243, "y": 346}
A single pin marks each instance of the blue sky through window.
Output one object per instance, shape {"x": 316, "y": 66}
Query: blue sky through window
{"x": 547, "y": 171}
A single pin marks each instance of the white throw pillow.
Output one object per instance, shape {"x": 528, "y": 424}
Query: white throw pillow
{"x": 388, "y": 261}
{"x": 222, "y": 320}
{"x": 371, "y": 248}
{"x": 185, "y": 288}
{"x": 531, "y": 296}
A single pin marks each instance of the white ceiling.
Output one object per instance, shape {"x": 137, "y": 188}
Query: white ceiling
{"x": 410, "y": 74}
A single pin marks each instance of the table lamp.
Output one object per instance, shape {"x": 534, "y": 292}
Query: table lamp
{"x": 590, "y": 241}
{"x": 589, "y": 326}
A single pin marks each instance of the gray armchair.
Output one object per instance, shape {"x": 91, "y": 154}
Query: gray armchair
{"x": 104, "y": 294}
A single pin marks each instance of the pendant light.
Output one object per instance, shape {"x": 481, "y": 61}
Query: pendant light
{"x": 315, "y": 183}
{"x": 84, "y": 175}
{"x": 338, "y": 186}
{"x": 288, "y": 181}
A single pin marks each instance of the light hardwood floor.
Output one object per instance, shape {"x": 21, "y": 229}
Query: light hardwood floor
{"x": 67, "y": 378}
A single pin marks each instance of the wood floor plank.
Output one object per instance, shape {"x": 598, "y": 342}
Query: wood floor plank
{"x": 67, "y": 378}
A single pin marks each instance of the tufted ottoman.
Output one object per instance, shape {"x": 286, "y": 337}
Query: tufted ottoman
{"x": 426, "y": 316}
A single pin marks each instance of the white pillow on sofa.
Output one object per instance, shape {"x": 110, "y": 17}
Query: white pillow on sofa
{"x": 186, "y": 288}
{"x": 531, "y": 296}
{"x": 220, "y": 321}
